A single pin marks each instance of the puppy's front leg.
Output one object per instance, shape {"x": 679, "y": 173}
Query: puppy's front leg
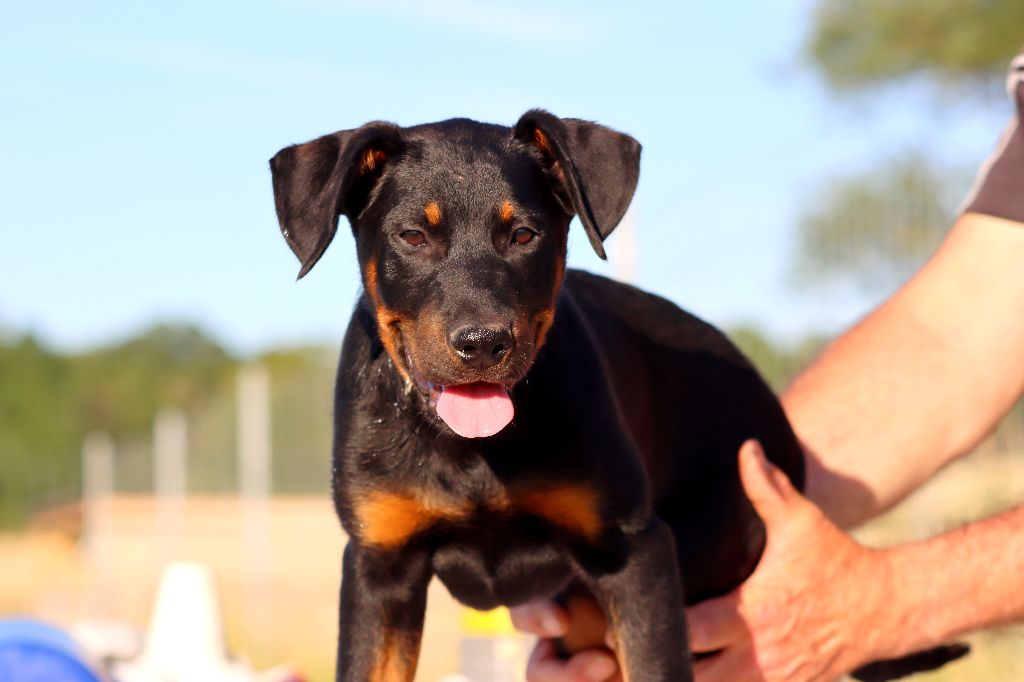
{"x": 644, "y": 604}
{"x": 383, "y": 600}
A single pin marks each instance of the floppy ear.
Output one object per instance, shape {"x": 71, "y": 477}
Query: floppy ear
{"x": 317, "y": 181}
{"x": 595, "y": 169}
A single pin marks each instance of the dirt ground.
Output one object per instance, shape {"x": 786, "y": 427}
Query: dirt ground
{"x": 278, "y": 568}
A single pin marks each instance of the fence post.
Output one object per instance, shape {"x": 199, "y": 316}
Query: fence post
{"x": 254, "y": 432}
{"x": 254, "y": 486}
{"x": 170, "y": 476}
{"x": 97, "y": 494}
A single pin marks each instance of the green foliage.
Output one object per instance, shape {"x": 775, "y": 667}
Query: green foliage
{"x": 122, "y": 387}
{"x": 49, "y": 402}
{"x": 875, "y": 227}
{"x": 777, "y": 363}
{"x": 859, "y": 43}
{"x": 36, "y": 424}
{"x": 302, "y": 400}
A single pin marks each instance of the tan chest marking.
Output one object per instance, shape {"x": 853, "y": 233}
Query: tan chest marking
{"x": 388, "y": 520}
{"x": 573, "y": 507}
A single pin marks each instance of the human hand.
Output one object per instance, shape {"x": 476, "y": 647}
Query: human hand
{"x": 812, "y": 608}
{"x": 808, "y": 612}
{"x": 547, "y": 620}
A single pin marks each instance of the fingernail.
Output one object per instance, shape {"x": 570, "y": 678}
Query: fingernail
{"x": 600, "y": 669}
{"x": 754, "y": 450}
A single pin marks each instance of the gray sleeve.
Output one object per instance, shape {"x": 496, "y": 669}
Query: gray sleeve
{"x": 999, "y": 188}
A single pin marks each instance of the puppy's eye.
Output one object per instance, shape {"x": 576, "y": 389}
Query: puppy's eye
{"x": 523, "y": 236}
{"x": 414, "y": 237}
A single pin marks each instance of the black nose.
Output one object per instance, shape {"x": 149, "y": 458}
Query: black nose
{"x": 480, "y": 347}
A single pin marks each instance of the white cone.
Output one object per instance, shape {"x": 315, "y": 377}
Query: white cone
{"x": 185, "y": 642}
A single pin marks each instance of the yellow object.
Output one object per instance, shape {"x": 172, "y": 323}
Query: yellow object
{"x": 493, "y": 623}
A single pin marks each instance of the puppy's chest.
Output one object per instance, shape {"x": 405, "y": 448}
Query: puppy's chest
{"x": 391, "y": 517}
{"x": 509, "y": 546}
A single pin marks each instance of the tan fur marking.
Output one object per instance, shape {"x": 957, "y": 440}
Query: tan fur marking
{"x": 622, "y": 655}
{"x": 388, "y": 321}
{"x": 388, "y": 520}
{"x": 541, "y": 140}
{"x": 556, "y": 168}
{"x": 573, "y": 507}
{"x": 544, "y": 145}
{"x": 433, "y": 214}
{"x": 542, "y": 322}
{"x": 388, "y": 326}
{"x": 545, "y": 318}
{"x": 507, "y": 211}
{"x": 395, "y": 660}
{"x": 370, "y": 281}
{"x": 371, "y": 159}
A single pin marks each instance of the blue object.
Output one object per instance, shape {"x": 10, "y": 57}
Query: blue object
{"x": 31, "y": 651}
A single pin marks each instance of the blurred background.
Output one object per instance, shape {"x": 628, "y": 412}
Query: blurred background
{"x": 165, "y": 383}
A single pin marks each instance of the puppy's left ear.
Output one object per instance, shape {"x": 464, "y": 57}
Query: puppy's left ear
{"x": 594, "y": 168}
{"x": 333, "y": 175}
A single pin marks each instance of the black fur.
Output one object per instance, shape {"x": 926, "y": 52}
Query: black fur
{"x": 618, "y": 473}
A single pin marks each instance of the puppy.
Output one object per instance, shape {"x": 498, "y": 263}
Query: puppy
{"x": 516, "y": 429}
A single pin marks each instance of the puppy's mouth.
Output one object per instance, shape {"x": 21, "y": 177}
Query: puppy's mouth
{"x": 472, "y": 410}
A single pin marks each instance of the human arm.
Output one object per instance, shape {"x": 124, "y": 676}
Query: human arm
{"x": 820, "y": 604}
{"x": 917, "y": 383}
{"x": 921, "y": 380}
{"x": 927, "y": 375}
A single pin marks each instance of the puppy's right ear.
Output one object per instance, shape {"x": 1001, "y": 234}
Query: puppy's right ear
{"x": 316, "y": 182}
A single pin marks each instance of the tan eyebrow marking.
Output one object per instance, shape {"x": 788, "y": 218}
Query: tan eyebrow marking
{"x": 433, "y": 214}
{"x": 507, "y": 211}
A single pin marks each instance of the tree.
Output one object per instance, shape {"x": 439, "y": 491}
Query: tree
{"x": 122, "y": 386}
{"x": 50, "y": 401}
{"x": 777, "y": 363}
{"x": 861, "y": 43}
{"x": 875, "y": 227}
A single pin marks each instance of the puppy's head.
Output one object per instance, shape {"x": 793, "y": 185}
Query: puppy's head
{"x": 460, "y": 230}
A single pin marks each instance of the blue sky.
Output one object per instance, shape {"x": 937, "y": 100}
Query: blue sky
{"x": 135, "y": 137}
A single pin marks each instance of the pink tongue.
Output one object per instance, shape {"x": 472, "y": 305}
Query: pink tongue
{"x": 475, "y": 410}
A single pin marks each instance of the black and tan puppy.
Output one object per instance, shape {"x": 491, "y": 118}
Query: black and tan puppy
{"x": 515, "y": 429}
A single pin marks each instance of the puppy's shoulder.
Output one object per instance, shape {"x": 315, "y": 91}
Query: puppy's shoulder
{"x": 615, "y": 308}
